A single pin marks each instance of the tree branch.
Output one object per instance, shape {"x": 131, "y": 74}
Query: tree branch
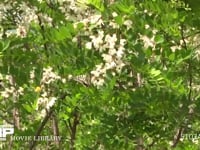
{"x": 55, "y": 129}
{"x": 38, "y": 132}
{"x": 74, "y": 129}
{"x": 177, "y": 137}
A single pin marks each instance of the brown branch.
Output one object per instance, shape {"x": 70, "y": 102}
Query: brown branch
{"x": 45, "y": 120}
{"x": 67, "y": 126}
{"x": 73, "y": 128}
{"x": 55, "y": 129}
{"x": 16, "y": 118}
{"x": 177, "y": 137}
{"x": 41, "y": 127}
{"x": 140, "y": 143}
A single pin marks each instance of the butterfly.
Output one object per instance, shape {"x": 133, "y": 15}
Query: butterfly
{"x": 82, "y": 79}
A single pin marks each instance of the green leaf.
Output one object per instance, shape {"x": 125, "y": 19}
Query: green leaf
{"x": 64, "y": 32}
{"x": 126, "y": 6}
{"x": 119, "y": 20}
{"x": 4, "y": 45}
{"x": 148, "y": 52}
{"x": 97, "y": 4}
{"x": 172, "y": 56}
{"x": 180, "y": 60}
{"x": 69, "y": 110}
{"x": 64, "y": 116}
{"x": 28, "y": 108}
{"x": 79, "y": 26}
{"x": 155, "y": 72}
{"x": 159, "y": 39}
{"x": 60, "y": 34}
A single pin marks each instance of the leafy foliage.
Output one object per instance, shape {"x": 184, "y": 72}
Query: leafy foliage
{"x": 100, "y": 74}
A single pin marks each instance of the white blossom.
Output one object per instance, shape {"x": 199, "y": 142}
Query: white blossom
{"x": 74, "y": 39}
{"x": 96, "y": 73}
{"x": 42, "y": 113}
{"x": 110, "y": 65}
{"x": 120, "y": 52}
{"x": 97, "y": 41}
{"x": 114, "y": 14}
{"x": 110, "y": 41}
{"x": 64, "y": 80}
{"x": 107, "y": 58}
{"x": 32, "y": 74}
{"x": 113, "y": 25}
{"x": 174, "y": 48}
{"x": 154, "y": 31}
{"x": 42, "y": 100}
{"x": 70, "y": 76}
{"x": 128, "y": 24}
{"x": 20, "y": 90}
{"x": 112, "y": 51}
{"x": 95, "y": 19}
{"x": 148, "y": 42}
{"x": 5, "y": 94}
{"x": 88, "y": 45}
{"x": 97, "y": 81}
{"x": 51, "y": 102}
{"x": 49, "y": 76}
{"x": 122, "y": 42}
{"x": 146, "y": 26}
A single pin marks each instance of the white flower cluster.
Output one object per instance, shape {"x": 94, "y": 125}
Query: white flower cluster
{"x": 49, "y": 76}
{"x": 45, "y": 20}
{"x": 90, "y": 22}
{"x": 175, "y": 47}
{"x": 111, "y": 52}
{"x": 21, "y": 31}
{"x": 9, "y": 88}
{"x": 22, "y": 16}
{"x": 28, "y": 15}
{"x": 94, "y": 19}
{"x": 47, "y": 103}
{"x": 73, "y": 10}
{"x": 148, "y": 42}
{"x": 32, "y": 75}
{"x": 96, "y": 41}
{"x": 128, "y": 23}
{"x": 46, "y": 99}
{"x": 44, "y": 103}
{"x": 148, "y": 12}
{"x": 98, "y": 75}
{"x": 12, "y": 91}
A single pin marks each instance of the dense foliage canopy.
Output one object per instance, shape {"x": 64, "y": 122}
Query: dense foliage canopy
{"x": 112, "y": 74}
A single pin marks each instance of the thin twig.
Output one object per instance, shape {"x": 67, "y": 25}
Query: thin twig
{"x": 55, "y": 129}
{"x": 73, "y": 128}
